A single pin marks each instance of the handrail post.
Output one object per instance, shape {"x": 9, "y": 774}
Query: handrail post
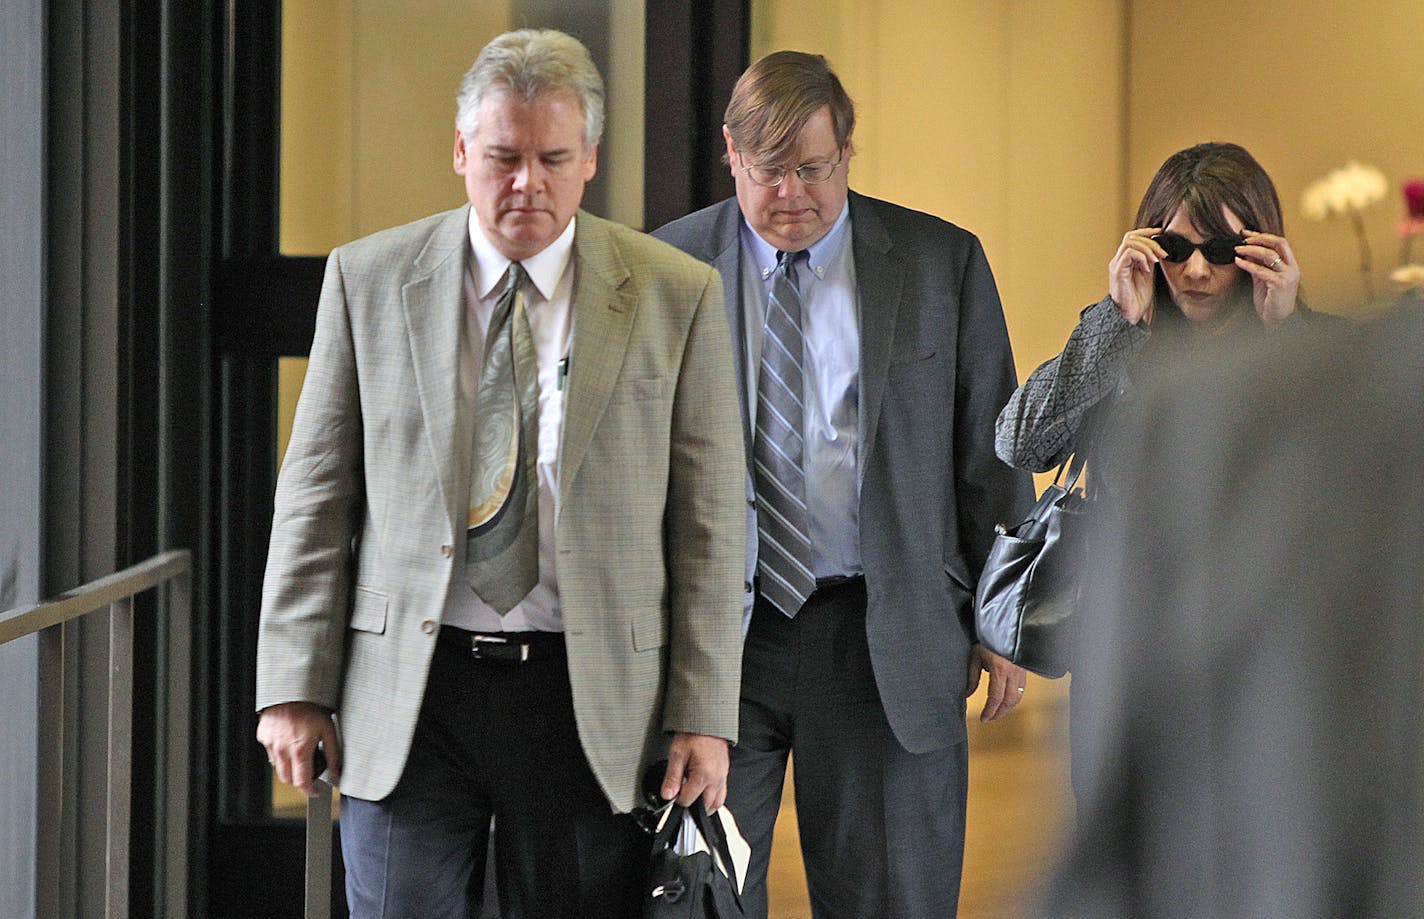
{"x": 58, "y": 848}
{"x": 120, "y": 750}
{"x": 318, "y": 873}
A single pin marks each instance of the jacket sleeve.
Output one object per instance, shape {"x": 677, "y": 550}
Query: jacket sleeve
{"x": 1038, "y": 428}
{"x": 318, "y": 507}
{"x": 704, "y": 530}
{"x": 987, "y": 492}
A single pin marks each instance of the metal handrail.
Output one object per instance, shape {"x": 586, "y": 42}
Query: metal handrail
{"x": 116, "y": 591}
{"x": 91, "y": 597}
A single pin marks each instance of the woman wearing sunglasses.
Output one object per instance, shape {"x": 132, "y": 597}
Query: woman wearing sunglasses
{"x": 1207, "y": 260}
{"x": 1206, "y": 263}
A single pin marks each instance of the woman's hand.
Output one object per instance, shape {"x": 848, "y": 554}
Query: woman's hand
{"x": 1275, "y": 276}
{"x": 1130, "y": 280}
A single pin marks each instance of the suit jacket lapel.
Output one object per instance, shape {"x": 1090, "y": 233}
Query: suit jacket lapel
{"x": 879, "y": 281}
{"x": 602, "y": 321}
{"x": 434, "y": 319}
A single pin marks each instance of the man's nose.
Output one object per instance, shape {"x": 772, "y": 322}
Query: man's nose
{"x": 791, "y": 185}
{"x": 530, "y": 174}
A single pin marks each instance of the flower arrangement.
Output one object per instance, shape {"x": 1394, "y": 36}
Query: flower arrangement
{"x": 1347, "y": 191}
{"x": 1410, "y": 274}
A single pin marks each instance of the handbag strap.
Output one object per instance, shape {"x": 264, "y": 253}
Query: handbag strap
{"x": 716, "y": 836}
{"x": 666, "y": 835}
{"x": 1074, "y": 465}
{"x": 711, "y": 831}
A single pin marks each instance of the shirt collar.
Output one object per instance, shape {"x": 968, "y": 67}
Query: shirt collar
{"x": 820, "y": 254}
{"x": 544, "y": 268}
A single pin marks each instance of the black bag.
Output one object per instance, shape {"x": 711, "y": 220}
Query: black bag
{"x": 691, "y": 886}
{"x": 1029, "y": 585}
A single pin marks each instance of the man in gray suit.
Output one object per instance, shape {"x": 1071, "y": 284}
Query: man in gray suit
{"x": 1256, "y": 736}
{"x": 506, "y": 554}
{"x": 871, "y": 368}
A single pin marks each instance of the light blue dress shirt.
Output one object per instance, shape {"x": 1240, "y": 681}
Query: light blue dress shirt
{"x": 830, "y": 326}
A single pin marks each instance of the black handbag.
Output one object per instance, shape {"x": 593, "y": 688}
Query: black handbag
{"x": 691, "y": 886}
{"x": 1029, "y": 585}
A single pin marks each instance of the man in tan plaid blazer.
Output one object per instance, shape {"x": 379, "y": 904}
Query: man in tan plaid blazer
{"x": 437, "y": 711}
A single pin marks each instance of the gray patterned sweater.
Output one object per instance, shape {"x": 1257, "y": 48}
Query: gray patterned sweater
{"x": 1040, "y": 426}
{"x": 1063, "y": 406}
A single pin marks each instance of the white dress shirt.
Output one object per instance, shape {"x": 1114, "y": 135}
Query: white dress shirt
{"x": 547, "y": 302}
{"x": 830, "y": 327}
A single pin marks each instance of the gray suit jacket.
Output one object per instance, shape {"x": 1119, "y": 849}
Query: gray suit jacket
{"x": 374, "y": 490}
{"x": 935, "y": 368}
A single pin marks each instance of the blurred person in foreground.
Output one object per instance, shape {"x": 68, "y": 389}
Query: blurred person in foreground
{"x": 506, "y": 562}
{"x": 873, "y": 357}
{"x": 1206, "y": 264}
{"x": 1254, "y": 746}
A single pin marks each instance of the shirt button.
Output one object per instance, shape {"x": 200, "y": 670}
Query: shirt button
{"x": 428, "y": 626}
{"x": 747, "y": 586}
{"x": 447, "y": 550}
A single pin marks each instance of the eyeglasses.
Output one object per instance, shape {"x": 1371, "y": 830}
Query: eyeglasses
{"x": 810, "y": 173}
{"x": 1220, "y": 250}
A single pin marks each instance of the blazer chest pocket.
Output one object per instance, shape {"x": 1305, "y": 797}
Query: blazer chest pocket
{"x": 642, "y": 390}
{"x": 913, "y": 368}
{"x": 368, "y": 611}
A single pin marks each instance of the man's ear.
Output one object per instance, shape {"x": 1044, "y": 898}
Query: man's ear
{"x": 731, "y": 150}
{"x": 461, "y": 159}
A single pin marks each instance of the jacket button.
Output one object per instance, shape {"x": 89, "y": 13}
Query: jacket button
{"x": 428, "y": 626}
{"x": 447, "y": 550}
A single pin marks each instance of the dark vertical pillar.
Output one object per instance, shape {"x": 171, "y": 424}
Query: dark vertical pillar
{"x": 696, "y": 49}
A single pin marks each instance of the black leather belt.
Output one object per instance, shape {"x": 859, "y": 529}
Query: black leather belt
{"x": 508, "y": 647}
{"x": 837, "y": 581}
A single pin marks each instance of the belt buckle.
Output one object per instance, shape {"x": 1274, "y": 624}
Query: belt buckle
{"x": 499, "y": 649}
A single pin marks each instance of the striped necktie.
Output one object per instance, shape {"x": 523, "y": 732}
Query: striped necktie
{"x": 502, "y": 563}
{"x": 783, "y": 527}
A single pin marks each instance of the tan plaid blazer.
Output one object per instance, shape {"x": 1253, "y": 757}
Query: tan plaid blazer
{"x": 374, "y": 490}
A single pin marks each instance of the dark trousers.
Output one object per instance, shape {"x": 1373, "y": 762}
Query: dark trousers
{"x": 882, "y": 830}
{"x": 494, "y": 739}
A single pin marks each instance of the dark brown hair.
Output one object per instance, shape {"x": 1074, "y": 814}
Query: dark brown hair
{"x": 775, "y": 98}
{"x": 1202, "y": 179}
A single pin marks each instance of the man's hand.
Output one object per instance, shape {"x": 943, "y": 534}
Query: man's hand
{"x": 290, "y": 732}
{"x": 697, "y": 766}
{"x": 1006, "y": 682}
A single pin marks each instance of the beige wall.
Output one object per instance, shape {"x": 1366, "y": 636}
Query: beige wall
{"x": 1002, "y": 117}
{"x": 368, "y": 111}
{"x": 1037, "y": 125}
{"x": 1034, "y": 124}
{"x": 1304, "y": 86}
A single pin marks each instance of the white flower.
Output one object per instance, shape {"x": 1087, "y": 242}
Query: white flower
{"x": 1408, "y": 275}
{"x": 1352, "y": 187}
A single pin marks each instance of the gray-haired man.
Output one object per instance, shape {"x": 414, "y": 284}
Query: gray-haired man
{"x": 505, "y": 552}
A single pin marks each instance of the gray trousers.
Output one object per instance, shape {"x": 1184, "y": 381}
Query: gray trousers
{"x": 882, "y": 830}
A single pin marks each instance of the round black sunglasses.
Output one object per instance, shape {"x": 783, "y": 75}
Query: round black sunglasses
{"x": 1220, "y": 250}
